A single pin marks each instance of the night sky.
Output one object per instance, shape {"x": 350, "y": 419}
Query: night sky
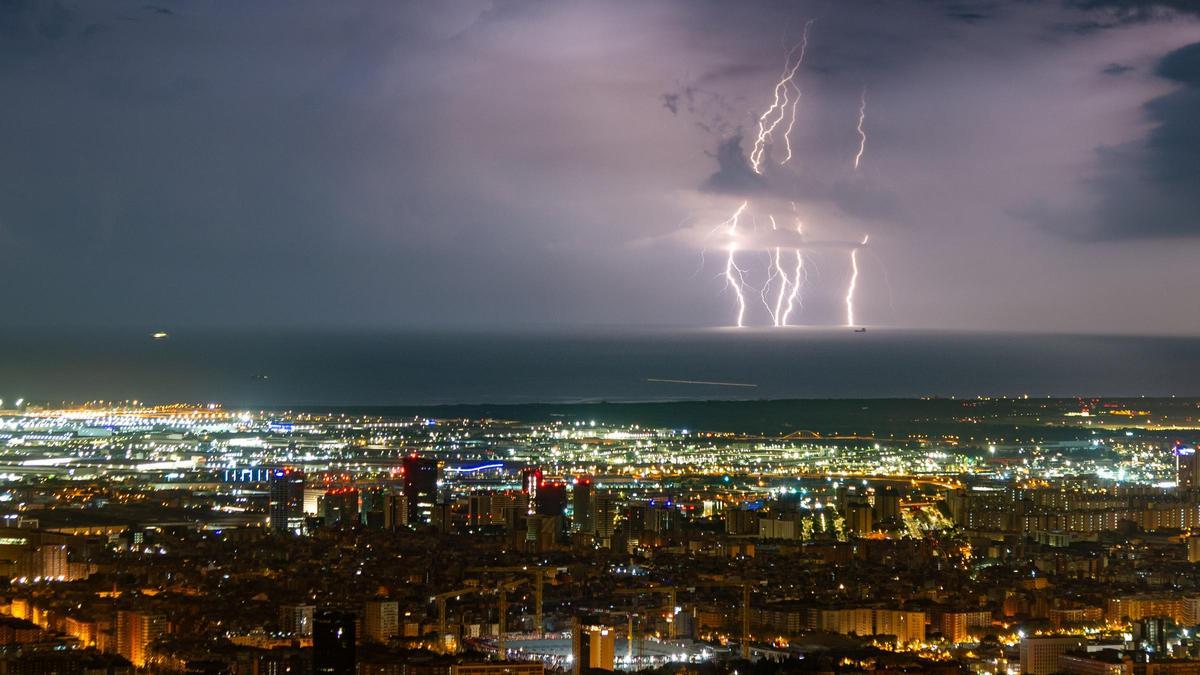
{"x": 1030, "y": 165}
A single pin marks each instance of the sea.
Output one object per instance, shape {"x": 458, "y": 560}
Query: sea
{"x": 309, "y": 368}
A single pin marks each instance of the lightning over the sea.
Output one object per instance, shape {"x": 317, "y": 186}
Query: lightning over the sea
{"x": 783, "y": 281}
{"x": 853, "y": 283}
{"x": 734, "y": 276}
{"x": 793, "y": 300}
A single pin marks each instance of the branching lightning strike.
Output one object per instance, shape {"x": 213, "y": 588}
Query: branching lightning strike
{"x": 734, "y": 276}
{"x": 779, "y": 106}
{"x": 787, "y": 298}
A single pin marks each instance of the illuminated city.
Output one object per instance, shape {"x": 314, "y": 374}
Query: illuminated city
{"x": 586, "y": 337}
{"x": 925, "y": 533}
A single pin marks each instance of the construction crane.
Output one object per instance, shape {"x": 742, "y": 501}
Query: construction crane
{"x": 441, "y": 599}
{"x": 745, "y": 586}
{"x": 539, "y": 578}
{"x": 669, "y": 591}
{"x": 503, "y": 618}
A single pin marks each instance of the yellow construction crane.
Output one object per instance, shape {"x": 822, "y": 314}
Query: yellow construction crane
{"x": 441, "y": 599}
{"x": 669, "y": 591}
{"x": 503, "y": 590}
{"x": 539, "y": 578}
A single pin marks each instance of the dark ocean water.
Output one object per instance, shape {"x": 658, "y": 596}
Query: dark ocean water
{"x": 279, "y": 368}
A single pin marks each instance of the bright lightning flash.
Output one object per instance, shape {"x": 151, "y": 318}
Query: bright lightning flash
{"x": 793, "y": 300}
{"x": 734, "y": 275}
{"x": 853, "y": 282}
{"x": 785, "y": 100}
{"x": 862, "y": 134}
{"x": 778, "y": 110}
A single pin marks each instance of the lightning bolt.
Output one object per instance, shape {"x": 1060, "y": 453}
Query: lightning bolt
{"x": 734, "y": 276}
{"x": 782, "y": 114}
{"x": 787, "y": 134}
{"x": 775, "y": 114}
{"x": 775, "y": 269}
{"x": 794, "y": 299}
{"x": 853, "y": 282}
{"x": 862, "y": 134}
{"x": 777, "y": 315}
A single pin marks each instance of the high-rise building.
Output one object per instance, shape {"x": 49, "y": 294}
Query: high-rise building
{"x": 479, "y": 509}
{"x": 662, "y": 517}
{"x": 552, "y": 499}
{"x": 341, "y": 507}
{"x": 1151, "y": 634}
{"x": 287, "y": 500}
{"x": 1039, "y": 655}
{"x": 741, "y": 521}
{"x": 906, "y": 626}
{"x": 381, "y": 620}
{"x": 297, "y": 619}
{"x": 1187, "y": 466}
{"x": 420, "y": 488}
{"x": 860, "y": 518}
{"x": 592, "y": 647}
{"x": 531, "y": 485}
{"x": 333, "y": 644}
{"x": 542, "y": 531}
{"x": 583, "y": 505}
{"x": 372, "y": 504}
{"x": 395, "y": 511}
{"x": 887, "y": 505}
{"x": 135, "y": 632}
{"x": 607, "y": 507}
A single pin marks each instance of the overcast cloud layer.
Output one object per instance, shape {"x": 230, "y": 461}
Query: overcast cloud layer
{"x": 1030, "y": 165}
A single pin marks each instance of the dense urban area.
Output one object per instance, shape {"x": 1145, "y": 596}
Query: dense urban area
{"x": 996, "y": 536}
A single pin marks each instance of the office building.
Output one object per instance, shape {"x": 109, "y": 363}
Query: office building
{"x": 592, "y": 647}
{"x": 135, "y": 631}
{"x": 287, "y": 500}
{"x": 860, "y": 518}
{"x": 607, "y": 508}
{"x": 1187, "y": 466}
{"x": 583, "y": 505}
{"x": 297, "y": 619}
{"x": 381, "y": 620}
{"x": 420, "y": 488}
{"x": 1039, "y": 655}
{"x": 531, "y": 485}
{"x": 341, "y": 507}
{"x": 371, "y": 507}
{"x": 887, "y": 506}
{"x": 552, "y": 499}
{"x": 395, "y": 510}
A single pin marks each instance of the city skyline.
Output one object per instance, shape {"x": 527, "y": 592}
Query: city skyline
{"x": 583, "y": 337}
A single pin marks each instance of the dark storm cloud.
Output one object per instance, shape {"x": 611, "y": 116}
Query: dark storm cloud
{"x": 1107, "y": 14}
{"x": 671, "y": 102}
{"x": 1139, "y": 10}
{"x": 490, "y": 163}
{"x": 1148, "y": 189}
{"x": 733, "y": 175}
{"x": 1116, "y": 69}
{"x": 971, "y": 12}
